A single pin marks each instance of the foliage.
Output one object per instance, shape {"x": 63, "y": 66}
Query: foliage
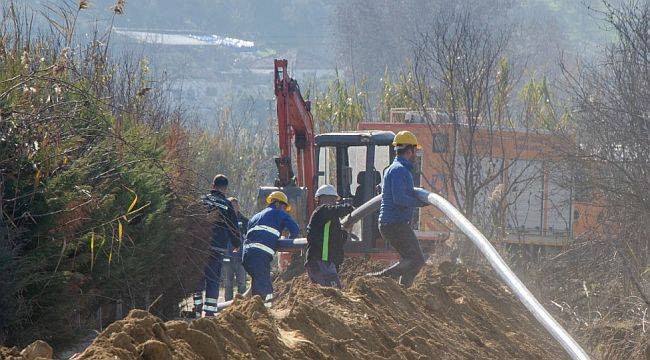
{"x": 337, "y": 108}
{"x": 239, "y": 147}
{"x": 613, "y": 129}
{"x": 400, "y": 93}
{"x": 95, "y": 190}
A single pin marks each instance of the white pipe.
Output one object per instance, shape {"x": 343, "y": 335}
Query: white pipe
{"x": 225, "y": 304}
{"x": 361, "y": 212}
{"x": 498, "y": 264}
{"x": 523, "y": 294}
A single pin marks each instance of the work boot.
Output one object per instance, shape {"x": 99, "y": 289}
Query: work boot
{"x": 412, "y": 268}
{"x": 406, "y": 280}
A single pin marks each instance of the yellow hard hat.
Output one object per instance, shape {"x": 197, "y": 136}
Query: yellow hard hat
{"x": 278, "y": 196}
{"x": 406, "y": 138}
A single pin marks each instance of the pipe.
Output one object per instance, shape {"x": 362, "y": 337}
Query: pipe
{"x": 284, "y": 244}
{"x": 361, "y": 212}
{"x": 498, "y": 264}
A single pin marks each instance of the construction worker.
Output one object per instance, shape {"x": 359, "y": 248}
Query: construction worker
{"x": 232, "y": 264}
{"x": 224, "y": 233}
{"x": 264, "y": 230}
{"x": 397, "y": 202}
{"x": 325, "y": 239}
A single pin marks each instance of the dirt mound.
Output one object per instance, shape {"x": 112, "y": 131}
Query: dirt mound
{"x": 38, "y": 350}
{"x": 453, "y": 314}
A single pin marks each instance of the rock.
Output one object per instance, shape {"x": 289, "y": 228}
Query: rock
{"x": 123, "y": 341}
{"x": 37, "y": 349}
{"x": 154, "y": 350}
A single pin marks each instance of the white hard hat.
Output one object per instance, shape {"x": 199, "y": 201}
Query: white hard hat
{"x": 326, "y": 190}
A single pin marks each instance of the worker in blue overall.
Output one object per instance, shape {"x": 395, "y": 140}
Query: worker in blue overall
{"x": 398, "y": 200}
{"x": 225, "y": 233}
{"x": 264, "y": 230}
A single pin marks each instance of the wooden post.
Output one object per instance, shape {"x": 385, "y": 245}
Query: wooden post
{"x": 118, "y": 310}
{"x": 99, "y": 319}
{"x": 77, "y": 319}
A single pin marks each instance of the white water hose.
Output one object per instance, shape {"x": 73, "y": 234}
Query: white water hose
{"x": 523, "y": 294}
{"x": 498, "y": 264}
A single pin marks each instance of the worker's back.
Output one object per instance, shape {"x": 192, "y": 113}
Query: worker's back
{"x": 225, "y": 231}
{"x": 397, "y": 197}
{"x": 266, "y": 226}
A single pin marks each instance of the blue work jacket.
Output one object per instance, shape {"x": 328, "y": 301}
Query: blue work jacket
{"x": 398, "y": 197}
{"x": 225, "y": 231}
{"x": 266, "y": 227}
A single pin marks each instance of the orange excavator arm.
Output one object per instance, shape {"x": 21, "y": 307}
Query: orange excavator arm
{"x": 294, "y": 121}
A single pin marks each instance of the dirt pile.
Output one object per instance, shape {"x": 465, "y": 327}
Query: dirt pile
{"x": 450, "y": 314}
{"x": 38, "y": 350}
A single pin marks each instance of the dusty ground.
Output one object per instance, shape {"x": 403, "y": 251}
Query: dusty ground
{"x": 453, "y": 314}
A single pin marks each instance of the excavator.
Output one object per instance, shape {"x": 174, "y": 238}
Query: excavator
{"x": 369, "y": 149}
{"x": 325, "y": 159}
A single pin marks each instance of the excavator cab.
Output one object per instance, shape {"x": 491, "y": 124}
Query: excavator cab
{"x": 353, "y": 162}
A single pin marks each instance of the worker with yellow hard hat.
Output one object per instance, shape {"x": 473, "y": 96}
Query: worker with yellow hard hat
{"x": 398, "y": 201}
{"x": 405, "y": 139}
{"x": 264, "y": 231}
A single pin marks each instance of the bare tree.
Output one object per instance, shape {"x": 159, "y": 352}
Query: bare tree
{"x": 460, "y": 61}
{"x": 612, "y": 119}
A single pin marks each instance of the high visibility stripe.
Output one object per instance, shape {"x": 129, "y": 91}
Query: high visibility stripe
{"x": 264, "y": 228}
{"x": 220, "y": 205}
{"x": 198, "y": 299}
{"x": 268, "y": 300}
{"x": 210, "y": 308}
{"x": 261, "y": 247}
{"x": 326, "y": 241}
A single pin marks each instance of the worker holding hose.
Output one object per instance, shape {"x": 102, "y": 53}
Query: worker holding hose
{"x": 398, "y": 199}
{"x": 264, "y": 231}
{"x": 225, "y": 233}
{"x": 325, "y": 238}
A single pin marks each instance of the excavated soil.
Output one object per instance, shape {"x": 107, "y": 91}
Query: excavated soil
{"x": 449, "y": 313}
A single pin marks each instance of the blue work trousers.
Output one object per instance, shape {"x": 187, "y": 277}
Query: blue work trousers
{"x": 258, "y": 265}
{"x": 210, "y": 283}
{"x": 233, "y": 270}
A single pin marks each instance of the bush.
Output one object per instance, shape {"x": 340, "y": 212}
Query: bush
{"x": 96, "y": 185}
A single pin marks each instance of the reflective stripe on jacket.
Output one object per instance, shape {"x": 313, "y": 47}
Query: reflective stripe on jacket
{"x": 266, "y": 226}
{"x": 325, "y": 238}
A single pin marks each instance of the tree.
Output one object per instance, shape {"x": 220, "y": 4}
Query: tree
{"x": 465, "y": 83}
{"x": 612, "y": 119}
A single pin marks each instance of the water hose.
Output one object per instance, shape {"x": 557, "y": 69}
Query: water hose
{"x": 572, "y": 348}
{"x": 498, "y": 264}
